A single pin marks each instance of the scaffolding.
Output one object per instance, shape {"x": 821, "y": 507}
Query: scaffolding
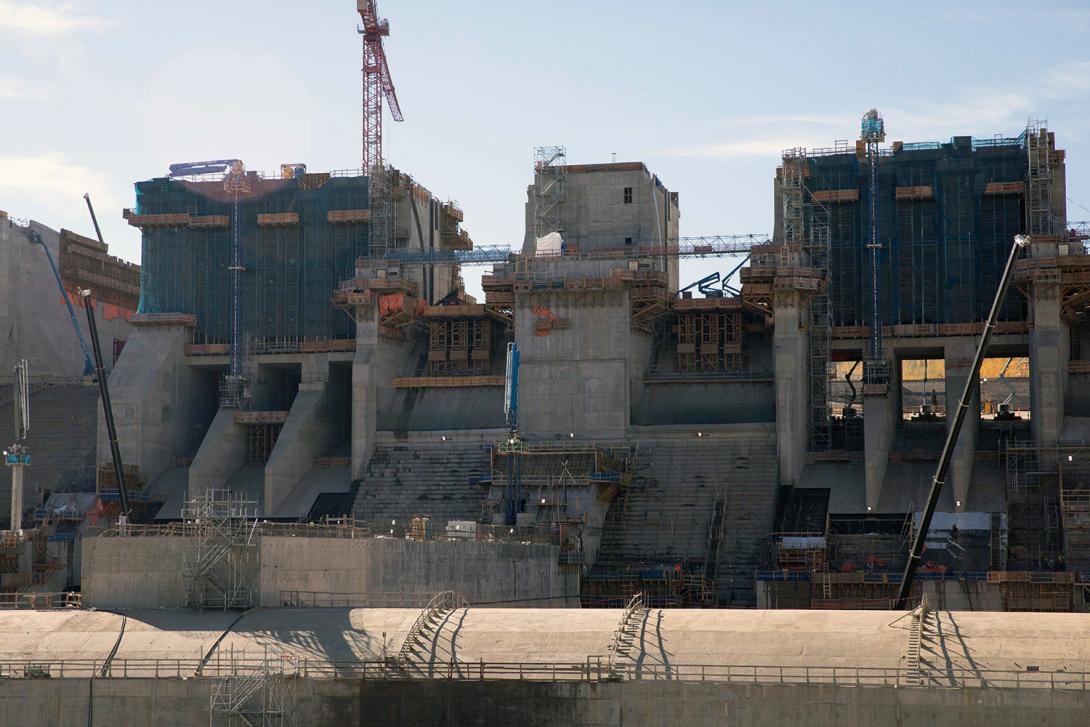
{"x": 550, "y": 172}
{"x": 218, "y": 569}
{"x": 249, "y": 694}
{"x": 951, "y": 211}
{"x": 382, "y": 210}
{"x": 1033, "y": 483}
{"x": 298, "y": 238}
{"x": 1038, "y": 179}
{"x": 806, "y": 226}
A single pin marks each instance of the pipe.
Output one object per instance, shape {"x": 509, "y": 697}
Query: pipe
{"x": 939, "y": 479}
{"x": 107, "y": 408}
{"x": 87, "y": 366}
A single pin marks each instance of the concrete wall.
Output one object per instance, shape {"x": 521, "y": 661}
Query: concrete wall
{"x": 505, "y": 573}
{"x": 790, "y": 348}
{"x": 417, "y": 227}
{"x": 146, "y": 572}
{"x": 161, "y": 405}
{"x": 575, "y": 380}
{"x": 184, "y": 702}
{"x": 375, "y": 364}
{"x": 128, "y": 573}
{"x": 711, "y": 403}
{"x": 308, "y": 433}
{"x": 444, "y": 409}
{"x": 222, "y": 453}
{"x": 34, "y": 321}
{"x": 596, "y": 215}
{"x": 1049, "y": 352}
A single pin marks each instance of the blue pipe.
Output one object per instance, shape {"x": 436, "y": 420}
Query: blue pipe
{"x": 88, "y": 367}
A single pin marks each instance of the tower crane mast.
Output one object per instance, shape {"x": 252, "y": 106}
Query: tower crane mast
{"x": 377, "y": 83}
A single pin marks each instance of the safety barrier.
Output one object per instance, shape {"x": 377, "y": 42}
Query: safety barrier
{"x": 595, "y": 668}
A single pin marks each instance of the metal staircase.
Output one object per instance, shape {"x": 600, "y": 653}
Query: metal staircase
{"x": 217, "y": 566}
{"x": 626, "y": 638}
{"x": 425, "y": 632}
{"x": 251, "y": 694}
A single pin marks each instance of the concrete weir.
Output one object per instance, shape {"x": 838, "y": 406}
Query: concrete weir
{"x": 547, "y": 667}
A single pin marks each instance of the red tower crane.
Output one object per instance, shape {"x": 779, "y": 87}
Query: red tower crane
{"x": 376, "y": 83}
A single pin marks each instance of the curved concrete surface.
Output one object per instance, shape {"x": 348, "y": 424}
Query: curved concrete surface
{"x": 958, "y": 640}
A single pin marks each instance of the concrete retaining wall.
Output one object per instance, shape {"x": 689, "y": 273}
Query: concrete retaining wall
{"x": 127, "y": 573}
{"x": 146, "y": 572}
{"x": 504, "y": 573}
{"x": 180, "y": 703}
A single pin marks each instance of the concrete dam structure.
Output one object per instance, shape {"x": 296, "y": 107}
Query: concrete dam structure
{"x": 312, "y": 477}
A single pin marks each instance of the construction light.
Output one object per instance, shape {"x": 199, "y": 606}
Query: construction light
{"x": 543, "y": 501}
{"x": 571, "y": 435}
{"x": 444, "y": 437}
{"x": 957, "y": 504}
{"x": 868, "y": 508}
{"x": 700, "y": 434}
{"x": 1070, "y": 458}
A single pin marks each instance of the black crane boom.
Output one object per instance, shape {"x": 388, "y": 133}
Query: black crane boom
{"x": 937, "y": 482}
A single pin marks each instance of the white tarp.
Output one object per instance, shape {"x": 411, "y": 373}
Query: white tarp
{"x": 551, "y": 244}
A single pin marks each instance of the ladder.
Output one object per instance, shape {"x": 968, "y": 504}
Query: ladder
{"x": 996, "y": 544}
{"x": 913, "y": 675}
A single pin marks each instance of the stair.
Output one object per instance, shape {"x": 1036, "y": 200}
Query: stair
{"x": 437, "y": 481}
{"x": 669, "y": 513}
{"x": 913, "y": 675}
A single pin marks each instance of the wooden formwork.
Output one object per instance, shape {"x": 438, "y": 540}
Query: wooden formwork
{"x": 460, "y": 346}
{"x": 709, "y": 341}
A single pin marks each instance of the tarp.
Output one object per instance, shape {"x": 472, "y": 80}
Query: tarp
{"x": 551, "y": 244}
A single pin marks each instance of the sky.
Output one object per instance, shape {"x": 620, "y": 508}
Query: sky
{"x": 95, "y": 95}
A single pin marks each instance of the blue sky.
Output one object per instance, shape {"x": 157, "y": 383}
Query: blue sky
{"x": 96, "y": 95}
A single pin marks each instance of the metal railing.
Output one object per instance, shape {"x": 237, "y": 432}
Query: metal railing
{"x": 331, "y": 599}
{"x": 440, "y": 603}
{"x": 653, "y": 375}
{"x": 594, "y": 668}
{"x": 63, "y": 599}
{"x": 396, "y": 528}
